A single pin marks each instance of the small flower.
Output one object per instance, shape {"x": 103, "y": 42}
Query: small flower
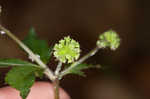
{"x": 67, "y": 50}
{"x": 30, "y": 57}
{"x": 109, "y": 39}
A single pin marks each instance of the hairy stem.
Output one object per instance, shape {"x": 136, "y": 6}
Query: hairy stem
{"x": 48, "y": 72}
{"x": 91, "y": 53}
{"x": 58, "y": 68}
{"x": 56, "y": 88}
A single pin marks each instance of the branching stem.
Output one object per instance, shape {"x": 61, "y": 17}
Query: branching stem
{"x": 48, "y": 72}
{"x": 91, "y": 53}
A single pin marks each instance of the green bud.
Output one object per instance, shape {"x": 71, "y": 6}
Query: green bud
{"x": 67, "y": 50}
{"x": 109, "y": 39}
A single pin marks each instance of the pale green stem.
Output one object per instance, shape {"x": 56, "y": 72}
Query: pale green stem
{"x": 58, "y": 68}
{"x": 48, "y": 72}
{"x": 56, "y": 89}
{"x": 91, "y": 53}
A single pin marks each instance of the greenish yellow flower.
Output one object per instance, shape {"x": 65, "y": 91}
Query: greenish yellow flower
{"x": 109, "y": 39}
{"x": 67, "y": 50}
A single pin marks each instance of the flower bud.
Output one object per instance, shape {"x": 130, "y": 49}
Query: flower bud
{"x": 109, "y": 39}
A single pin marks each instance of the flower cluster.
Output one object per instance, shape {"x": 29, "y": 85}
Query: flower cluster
{"x": 109, "y": 39}
{"x": 67, "y": 50}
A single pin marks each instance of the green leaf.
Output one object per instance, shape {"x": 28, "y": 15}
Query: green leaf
{"x": 24, "y": 93}
{"x": 39, "y": 47}
{"x": 14, "y": 62}
{"x": 22, "y": 78}
{"x": 78, "y": 69}
{"x": 39, "y": 73}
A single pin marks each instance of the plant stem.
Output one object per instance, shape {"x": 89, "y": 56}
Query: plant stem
{"x": 48, "y": 72}
{"x": 58, "y": 68}
{"x": 56, "y": 88}
{"x": 91, "y": 53}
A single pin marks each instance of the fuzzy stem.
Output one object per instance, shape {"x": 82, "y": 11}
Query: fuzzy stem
{"x": 91, "y": 53}
{"x": 58, "y": 68}
{"x": 56, "y": 89}
{"x": 48, "y": 72}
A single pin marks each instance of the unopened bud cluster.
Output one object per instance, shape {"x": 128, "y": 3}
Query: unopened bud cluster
{"x": 109, "y": 39}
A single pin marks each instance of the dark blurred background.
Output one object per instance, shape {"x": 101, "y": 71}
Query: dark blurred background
{"x": 125, "y": 73}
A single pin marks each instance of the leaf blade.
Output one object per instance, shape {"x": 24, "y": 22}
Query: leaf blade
{"x": 39, "y": 47}
{"x": 21, "y": 78}
{"x": 78, "y": 69}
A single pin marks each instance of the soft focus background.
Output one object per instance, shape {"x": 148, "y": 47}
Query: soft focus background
{"x": 126, "y": 71}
